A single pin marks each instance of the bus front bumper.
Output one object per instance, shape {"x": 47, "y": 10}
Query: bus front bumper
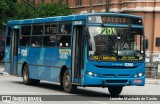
{"x": 98, "y": 81}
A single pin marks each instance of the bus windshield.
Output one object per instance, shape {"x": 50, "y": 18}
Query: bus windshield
{"x": 115, "y": 43}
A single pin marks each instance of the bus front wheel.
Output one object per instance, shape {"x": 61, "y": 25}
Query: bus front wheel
{"x": 67, "y": 85}
{"x": 26, "y": 79}
{"x": 115, "y": 90}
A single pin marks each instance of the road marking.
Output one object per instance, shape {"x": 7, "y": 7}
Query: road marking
{"x": 45, "y": 93}
{"x": 99, "y": 102}
{"x": 9, "y": 102}
{"x": 16, "y": 92}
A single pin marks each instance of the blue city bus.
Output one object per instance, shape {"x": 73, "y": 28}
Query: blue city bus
{"x": 88, "y": 50}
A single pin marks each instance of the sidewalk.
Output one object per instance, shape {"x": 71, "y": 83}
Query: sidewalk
{"x": 1, "y": 71}
{"x": 152, "y": 81}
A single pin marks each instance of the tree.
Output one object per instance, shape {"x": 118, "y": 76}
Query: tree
{"x": 53, "y": 9}
{"x": 11, "y": 10}
{"x": 24, "y": 12}
{"x": 60, "y": 1}
{"x": 7, "y": 11}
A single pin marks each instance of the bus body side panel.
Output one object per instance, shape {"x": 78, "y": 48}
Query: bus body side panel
{"x": 44, "y": 63}
{"x": 7, "y": 59}
{"x": 44, "y": 73}
{"x": 19, "y": 69}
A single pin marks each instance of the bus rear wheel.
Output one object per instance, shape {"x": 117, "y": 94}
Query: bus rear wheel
{"x": 26, "y": 79}
{"x": 67, "y": 85}
{"x": 115, "y": 90}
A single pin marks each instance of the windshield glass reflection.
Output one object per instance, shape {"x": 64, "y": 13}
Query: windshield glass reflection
{"x": 111, "y": 43}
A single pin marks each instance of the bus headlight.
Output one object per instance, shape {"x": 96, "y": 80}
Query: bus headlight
{"x": 92, "y": 74}
{"x": 135, "y": 76}
{"x": 140, "y": 74}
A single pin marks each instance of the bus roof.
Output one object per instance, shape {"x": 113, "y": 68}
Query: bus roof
{"x": 64, "y": 18}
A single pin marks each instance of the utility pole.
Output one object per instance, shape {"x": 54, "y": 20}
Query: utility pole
{"x": 107, "y": 5}
{"x": 32, "y": 6}
{"x": 90, "y": 6}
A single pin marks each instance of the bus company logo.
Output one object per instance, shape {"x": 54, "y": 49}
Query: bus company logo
{"x": 6, "y": 98}
{"x": 78, "y": 22}
{"x": 64, "y": 53}
{"x": 129, "y": 64}
{"x": 23, "y": 52}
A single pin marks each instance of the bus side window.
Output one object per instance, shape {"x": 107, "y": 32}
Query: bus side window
{"x": 49, "y": 41}
{"x": 64, "y": 34}
{"x": 25, "y": 35}
{"x": 36, "y": 37}
{"x": 64, "y": 41}
{"x": 36, "y": 41}
{"x": 50, "y": 35}
{"x": 37, "y": 29}
{"x": 8, "y": 37}
{"x": 65, "y": 28}
{"x": 24, "y": 41}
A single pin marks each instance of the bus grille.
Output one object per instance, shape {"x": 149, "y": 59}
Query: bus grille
{"x": 116, "y": 81}
{"x": 119, "y": 75}
{"x": 123, "y": 75}
{"x": 116, "y": 67}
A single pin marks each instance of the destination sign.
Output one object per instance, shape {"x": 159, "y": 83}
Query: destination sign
{"x": 115, "y": 20}
{"x": 113, "y": 58}
{"x": 130, "y": 58}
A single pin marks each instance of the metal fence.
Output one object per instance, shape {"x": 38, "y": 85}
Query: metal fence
{"x": 153, "y": 65}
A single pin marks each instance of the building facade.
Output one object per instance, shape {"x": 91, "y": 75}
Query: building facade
{"x": 87, "y": 6}
{"x": 149, "y": 10}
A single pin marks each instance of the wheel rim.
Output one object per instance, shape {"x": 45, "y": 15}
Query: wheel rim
{"x": 25, "y": 75}
{"x": 67, "y": 81}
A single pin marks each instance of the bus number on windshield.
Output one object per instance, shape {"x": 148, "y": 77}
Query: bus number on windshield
{"x": 106, "y": 31}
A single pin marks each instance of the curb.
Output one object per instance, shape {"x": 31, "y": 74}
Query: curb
{"x": 1, "y": 73}
{"x": 154, "y": 81}
{"x": 4, "y": 73}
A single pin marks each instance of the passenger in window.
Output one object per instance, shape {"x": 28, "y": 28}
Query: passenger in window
{"x": 27, "y": 43}
{"x": 65, "y": 29}
{"x": 65, "y": 32}
{"x": 52, "y": 41}
{"x": 36, "y": 44}
{"x": 68, "y": 28}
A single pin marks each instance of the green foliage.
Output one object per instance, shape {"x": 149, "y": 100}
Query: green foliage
{"x": 24, "y": 12}
{"x": 60, "y": 1}
{"x": 8, "y": 11}
{"x": 53, "y": 9}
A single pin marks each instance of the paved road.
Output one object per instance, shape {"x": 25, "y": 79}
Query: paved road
{"x": 12, "y": 85}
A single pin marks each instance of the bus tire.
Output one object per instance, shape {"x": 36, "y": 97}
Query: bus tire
{"x": 26, "y": 79}
{"x": 67, "y": 84}
{"x": 115, "y": 90}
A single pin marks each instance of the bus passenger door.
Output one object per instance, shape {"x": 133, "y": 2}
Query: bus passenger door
{"x": 77, "y": 53}
{"x": 14, "y": 51}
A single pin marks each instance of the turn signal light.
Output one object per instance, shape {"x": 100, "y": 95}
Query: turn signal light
{"x": 138, "y": 81}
